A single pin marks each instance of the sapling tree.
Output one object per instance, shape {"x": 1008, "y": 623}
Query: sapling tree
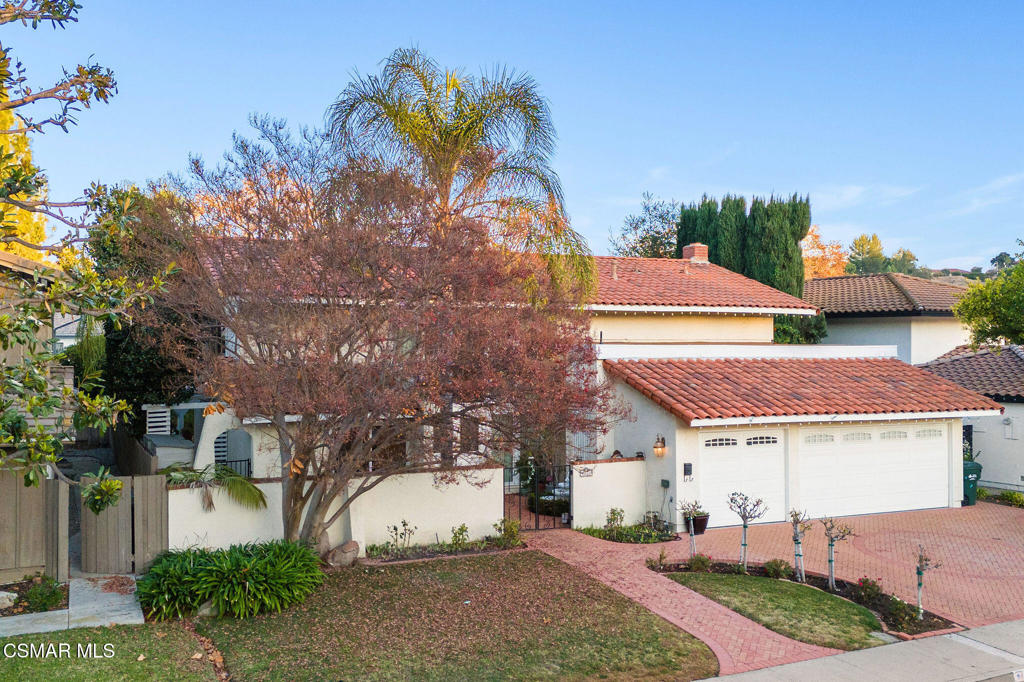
{"x": 835, "y": 532}
{"x": 923, "y": 564}
{"x": 801, "y": 525}
{"x": 690, "y": 510}
{"x": 748, "y": 510}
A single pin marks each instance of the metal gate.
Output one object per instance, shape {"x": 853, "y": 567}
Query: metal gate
{"x": 539, "y": 496}
{"x": 127, "y": 537}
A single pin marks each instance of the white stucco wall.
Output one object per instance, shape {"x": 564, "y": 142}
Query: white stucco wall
{"x": 917, "y": 338}
{"x": 889, "y": 331}
{"x": 433, "y": 508}
{"x": 934, "y": 336}
{"x": 228, "y": 524}
{"x": 680, "y": 328}
{"x": 638, "y": 434}
{"x": 598, "y": 486}
{"x": 999, "y": 447}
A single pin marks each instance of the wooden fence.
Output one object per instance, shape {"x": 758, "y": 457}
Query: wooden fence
{"x": 127, "y": 537}
{"x": 33, "y": 528}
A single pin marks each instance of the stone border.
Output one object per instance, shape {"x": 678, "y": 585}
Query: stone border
{"x": 377, "y": 563}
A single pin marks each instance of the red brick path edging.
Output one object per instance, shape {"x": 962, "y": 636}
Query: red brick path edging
{"x": 739, "y": 643}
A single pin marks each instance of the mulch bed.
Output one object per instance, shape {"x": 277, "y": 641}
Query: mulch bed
{"x": 844, "y": 589}
{"x": 20, "y": 606}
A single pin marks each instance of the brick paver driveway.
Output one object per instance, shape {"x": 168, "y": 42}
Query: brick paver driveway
{"x": 981, "y": 579}
{"x": 981, "y": 550}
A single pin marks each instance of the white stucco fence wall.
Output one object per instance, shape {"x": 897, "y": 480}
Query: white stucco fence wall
{"x": 434, "y": 508}
{"x": 599, "y": 485}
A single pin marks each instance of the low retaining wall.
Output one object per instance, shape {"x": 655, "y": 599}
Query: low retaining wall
{"x": 132, "y": 458}
{"x": 599, "y": 485}
{"x": 432, "y": 508}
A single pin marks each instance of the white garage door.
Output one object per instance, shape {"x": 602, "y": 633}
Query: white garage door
{"x": 869, "y": 469}
{"x": 753, "y": 463}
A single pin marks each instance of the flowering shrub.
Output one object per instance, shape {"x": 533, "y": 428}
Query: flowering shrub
{"x": 699, "y": 563}
{"x": 867, "y": 590}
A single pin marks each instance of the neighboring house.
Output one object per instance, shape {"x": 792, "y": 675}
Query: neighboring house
{"x": 996, "y": 441}
{"x": 65, "y": 329}
{"x": 717, "y": 408}
{"x": 911, "y": 313}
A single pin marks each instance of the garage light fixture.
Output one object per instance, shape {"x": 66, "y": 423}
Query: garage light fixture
{"x": 659, "y": 446}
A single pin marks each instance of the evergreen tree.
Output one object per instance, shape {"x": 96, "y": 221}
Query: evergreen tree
{"x": 706, "y": 231}
{"x": 732, "y": 234}
{"x": 867, "y": 255}
{"x": 687, "y": 233}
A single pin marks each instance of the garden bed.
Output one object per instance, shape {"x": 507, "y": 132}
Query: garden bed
{"x": 639, "y": 534}
{"x": 48, "y": 595}
{"x": 879, "y": 605}
{"x": 389, "y": 554}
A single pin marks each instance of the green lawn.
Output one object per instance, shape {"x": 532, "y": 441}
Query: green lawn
{"x": 515, "y": 616}
{"x": 796, "y": 611}
{"x": 168, "y": 651}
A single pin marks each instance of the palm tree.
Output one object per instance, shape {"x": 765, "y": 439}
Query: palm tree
{"x": 481, "y": 144}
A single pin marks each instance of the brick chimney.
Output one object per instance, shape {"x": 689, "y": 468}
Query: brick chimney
{"x": 696, "y": 253}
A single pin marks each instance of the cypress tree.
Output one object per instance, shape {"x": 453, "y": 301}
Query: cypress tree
{"x": 732, "y": 233}
{"x": 687, "y": 233}
{"x": 706, "y": 231}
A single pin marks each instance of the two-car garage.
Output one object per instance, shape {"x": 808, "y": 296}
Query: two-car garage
{"x": 831, "y": 471}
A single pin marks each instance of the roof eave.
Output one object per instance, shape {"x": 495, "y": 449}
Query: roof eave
{"x": 827, "y": 418}
{"x": 705, "y": 309}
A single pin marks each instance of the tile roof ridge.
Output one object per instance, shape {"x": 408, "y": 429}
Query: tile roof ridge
{"x": 891, "y": 276}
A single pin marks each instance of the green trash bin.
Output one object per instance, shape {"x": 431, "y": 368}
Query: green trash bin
{"x": 972, "y": 472}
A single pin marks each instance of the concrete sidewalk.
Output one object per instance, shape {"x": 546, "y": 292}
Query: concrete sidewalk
{"x": 993, "y": 652}
{"x": 88, "y": 606}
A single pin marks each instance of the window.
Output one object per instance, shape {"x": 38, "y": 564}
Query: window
{"x": 929, "y": 433}
{"x": 719, "y": 442}
{"x": 818, "y": 438}
{"x": 762, "y": 440}
{"x": 856, "y": 437}
{"x": 893, "y": 435}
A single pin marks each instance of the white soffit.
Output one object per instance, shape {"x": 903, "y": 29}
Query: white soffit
{"x": 654, "y": 351}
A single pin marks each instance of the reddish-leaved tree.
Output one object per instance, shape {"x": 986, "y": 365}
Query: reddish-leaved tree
{"x": 326, "y": 299}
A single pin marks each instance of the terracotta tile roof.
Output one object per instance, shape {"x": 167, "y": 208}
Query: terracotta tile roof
{"x": 781, "y": 387}
{"x": 887, "y": 292}
{"x": 678, "y": 282}
{"x": 997, "y": 372}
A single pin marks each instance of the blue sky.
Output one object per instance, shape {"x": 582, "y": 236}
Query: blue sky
{"x": 897, "y": 118}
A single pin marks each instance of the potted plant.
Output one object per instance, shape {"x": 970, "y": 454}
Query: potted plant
{"x": 693, "y": 510}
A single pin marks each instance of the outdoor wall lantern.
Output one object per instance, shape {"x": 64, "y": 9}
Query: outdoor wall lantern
{"x": 659, "y": 446}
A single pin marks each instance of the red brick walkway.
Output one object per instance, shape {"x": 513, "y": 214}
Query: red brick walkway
{"x": 981, "y": 549}
{"x": 739, "y": 643}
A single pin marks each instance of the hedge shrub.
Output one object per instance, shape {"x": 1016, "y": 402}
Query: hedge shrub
{"x": 240, "y": 581}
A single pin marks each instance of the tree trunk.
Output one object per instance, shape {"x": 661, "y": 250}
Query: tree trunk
{"x": 693, "y": 540}
{"x": 920, "y": 590}
{"x": 743, "y": 548}
{"x": 831, "y": 565}
{"x": 797, "y": 563}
